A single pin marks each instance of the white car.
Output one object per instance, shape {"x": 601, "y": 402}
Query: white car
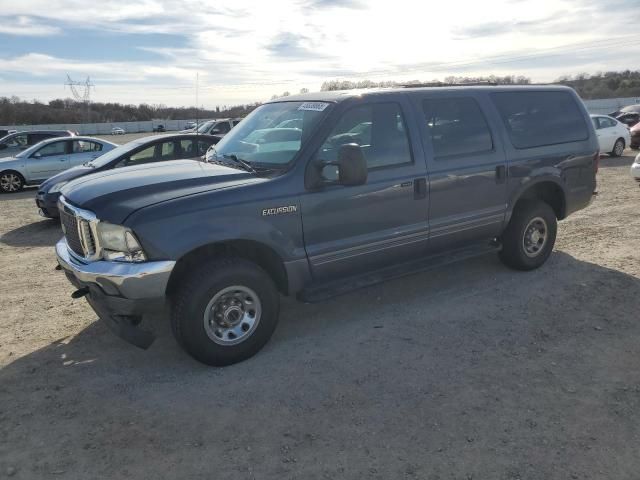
{"x": 117, "y": 131}
{"x": 635, "y": 168}
{"x": 613, "y": 135}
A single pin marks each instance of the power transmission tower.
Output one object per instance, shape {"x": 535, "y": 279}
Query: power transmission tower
{"x": 85, "y": 97}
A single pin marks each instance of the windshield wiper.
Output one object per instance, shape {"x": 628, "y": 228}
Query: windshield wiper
{"x": 242, "y": 163}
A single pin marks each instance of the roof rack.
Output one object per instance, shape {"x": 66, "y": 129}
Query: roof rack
{"x": 443, "y": 84}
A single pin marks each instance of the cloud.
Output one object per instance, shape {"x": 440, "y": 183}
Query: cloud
{"x": 256, "y": 49}
{"x": 26, "y": 26}
{"x": 354, "y": 4}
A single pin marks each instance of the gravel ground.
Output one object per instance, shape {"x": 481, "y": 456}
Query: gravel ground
{"x": 472, "y": 371}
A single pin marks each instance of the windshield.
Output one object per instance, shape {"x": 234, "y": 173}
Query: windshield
{"x": 205, "y": 126}
{"x": 272, "y": 135}
{"x": 116, "y": 153}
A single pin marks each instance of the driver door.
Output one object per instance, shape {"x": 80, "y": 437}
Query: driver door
{"x": 49, "y": 160}
{"x": 350, "y": 229}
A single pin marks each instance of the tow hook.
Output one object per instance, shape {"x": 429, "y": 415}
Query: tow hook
{"x": 80, "y": 292}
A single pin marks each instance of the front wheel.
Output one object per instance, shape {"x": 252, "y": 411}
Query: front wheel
{"x": 528, "y": 240}
{"x": 618, "y": 148}
{"x": 11, "y": 182}
{"x": 225, "y": 311}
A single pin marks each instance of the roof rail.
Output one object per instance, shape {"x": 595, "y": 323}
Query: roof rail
{"x": 443, "y": 84}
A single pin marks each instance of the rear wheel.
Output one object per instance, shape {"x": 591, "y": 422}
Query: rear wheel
{"x": 528, "y": 240}
{"x": 618, "y": 148}
{"x": 11, "y": 182}
{"x": 225, "y": 311}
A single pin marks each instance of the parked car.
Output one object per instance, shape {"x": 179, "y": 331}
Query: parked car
{"x": 629, "y": 118}
{"x": 138, "y": 152}
{"x": 159, "y": 128}
{"x": 634, "y": 134}
{"x": 14, "y": 143}
{"x": 218, "y": 128}
{"x": 627, "y": 109}
{"x": 613, "y": 136}
{"x": 117, "y": 131}
{"x": 190, "y": 125}
{"x": 447, "y": 173}
{"x": 47, "y": 158}
{"x": 635, "y": 168}
{"x": 4, "y": 133}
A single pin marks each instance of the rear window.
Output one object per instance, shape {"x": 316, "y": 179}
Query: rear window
{"x": 536, "y": 119}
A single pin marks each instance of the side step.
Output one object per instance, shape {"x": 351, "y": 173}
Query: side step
{"x": 324, "y": 291}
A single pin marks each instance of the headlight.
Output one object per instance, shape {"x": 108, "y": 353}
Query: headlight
{"x": 119, "y": 244}
{"x": 56, "y": 188}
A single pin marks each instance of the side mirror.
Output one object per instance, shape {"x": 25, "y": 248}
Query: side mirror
{"x": 352, "y": 166}
{"x": 351, "y": 169}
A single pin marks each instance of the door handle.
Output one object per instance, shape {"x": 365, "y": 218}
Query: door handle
{"x": 501, "y": 173}
{"x": 419, "y": 188}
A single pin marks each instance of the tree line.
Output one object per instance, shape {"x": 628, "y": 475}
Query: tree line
{"x": 14, "y": 111}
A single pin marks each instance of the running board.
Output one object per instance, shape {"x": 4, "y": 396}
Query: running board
{"x": 324, "y": 291}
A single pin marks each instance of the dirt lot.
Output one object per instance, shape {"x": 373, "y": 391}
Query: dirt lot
{"x": 469, "y": 372}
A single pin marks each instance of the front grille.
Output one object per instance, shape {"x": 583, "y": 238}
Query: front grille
{"x": 78, "y": 226}
{"x": 70, "y": 228}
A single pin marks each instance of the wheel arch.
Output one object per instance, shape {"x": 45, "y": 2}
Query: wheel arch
{"x": 546, "y": 190}
{"x": 259, "y": 253}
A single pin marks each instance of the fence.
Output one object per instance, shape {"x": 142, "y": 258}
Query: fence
{"x": 105, "y": 128}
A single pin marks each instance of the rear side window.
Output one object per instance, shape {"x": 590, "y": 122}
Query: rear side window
{"x": 604, "y": 122}
{"x": 457, "y": 126}
{"x": 38, "y": 137}
{"x": 536, "y": 119}
{"x": 82, "y": 146}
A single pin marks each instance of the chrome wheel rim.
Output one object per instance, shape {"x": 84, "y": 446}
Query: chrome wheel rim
{"x": 232, "y": 315}
{"x": 535, "y": 237}
{"x": 619, "y": 148}
{"x": 10, "y": 182}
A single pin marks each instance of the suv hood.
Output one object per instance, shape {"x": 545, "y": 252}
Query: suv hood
{"x": 115, "y": 194}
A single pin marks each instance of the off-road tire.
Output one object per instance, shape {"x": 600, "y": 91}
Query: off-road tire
{"x": 198, "y": 287}
{"x": 514, "y": 249}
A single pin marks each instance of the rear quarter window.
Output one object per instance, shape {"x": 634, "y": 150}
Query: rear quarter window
{"x": 536, "y": 119}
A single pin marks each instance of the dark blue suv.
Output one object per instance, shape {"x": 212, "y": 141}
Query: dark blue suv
{"x": 319, "y": 194}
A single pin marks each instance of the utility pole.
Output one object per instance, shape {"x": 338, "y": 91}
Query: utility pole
{"x": 86, "y": 94}
{"x": 197, "y": 122}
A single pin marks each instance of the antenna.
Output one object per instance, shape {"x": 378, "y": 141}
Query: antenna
{"x": 86, "y": 94}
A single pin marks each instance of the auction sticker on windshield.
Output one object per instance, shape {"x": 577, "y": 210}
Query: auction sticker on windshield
{"x": 313, "y": 106}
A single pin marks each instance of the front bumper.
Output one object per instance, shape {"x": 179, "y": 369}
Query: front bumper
{"x": 120, "y": 293}
{"x": 47, "y": 204}
{"x": 635, "y": 171}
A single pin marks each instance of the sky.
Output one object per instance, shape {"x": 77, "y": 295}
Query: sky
{"x": 242, "y": 51}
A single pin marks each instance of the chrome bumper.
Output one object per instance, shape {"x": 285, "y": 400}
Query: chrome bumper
{"x": 135, "y": 281}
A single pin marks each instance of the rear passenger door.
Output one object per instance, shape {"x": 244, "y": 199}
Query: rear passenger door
{"x": 467, "y": 170}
